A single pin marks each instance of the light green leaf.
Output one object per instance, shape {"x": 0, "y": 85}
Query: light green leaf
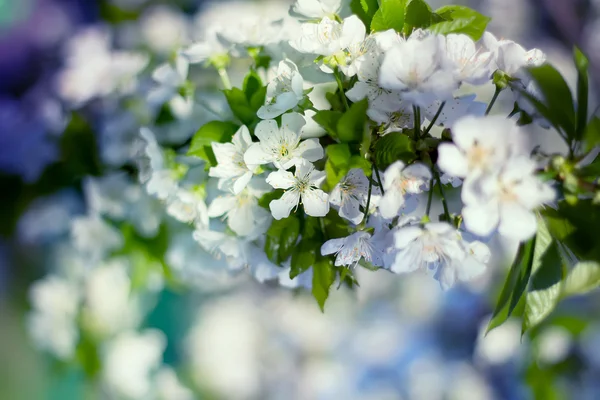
{"x": 460, "y": 19}
{"x": 539, "y": 305}
{"x": 389, "y": 16}
{"x": 365, "y": 10}
{"x": 591, "y": 136}
{"x": 328, "y": 120}
{"x": 336, "y": 166}
{"x": 584, "y": 278}
{"x": 211, "y": 132}
{"x": 323, "y": 277}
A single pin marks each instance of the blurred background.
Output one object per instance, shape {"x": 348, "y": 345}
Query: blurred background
{"x": 231, "y": 337}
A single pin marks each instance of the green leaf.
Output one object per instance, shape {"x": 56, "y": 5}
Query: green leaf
{"x": 393, "y": 147}
{"x": 539, "y": 305}
{"x": 323, "y": 277}
{"x": 282, "y": 236}
{"x": 582, "y": 64}
{"x": 584, "y": 278}
{"x": 389, "y": 16}
{"x": 304, "y": 256}
{"x": 514, "y": 286}
{"x": 460, "y": 19}
{"x": 252, "y": 84}
{"x": 336, "y": 166}
{"x": 351, "y": 125}
{"x": 240, "y": 105}
{"x": 547, "y": 266}
{"x": 258, "y": 98}
{"x": 266, "y": 198}
{"x": 365, "y": 10}
{"x": 556, "y": 97}
{"x": 591, "y": 135}
{"x": 328, "y": 120}
{"x": 336, "y": 102}
{"x": 418, "y": 15}
{"x": 211, "y": 132}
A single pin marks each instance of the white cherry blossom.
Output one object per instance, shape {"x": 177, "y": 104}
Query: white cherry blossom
{"x": 480, "y": 145}
{"x": 329, "y": 37}
{"x": 188, "y": 207}
{"x": 244, "y": 216}
{"x": 506, "y": 201}
{"x": 399, "y": 182}
{"x": 471, "y": 65}
{"x": 284, "y": 92}
{"x": 282, "y": 146}
{"x": 303, "y": 186}
{"x": 171, "y": 78}
{"x": 510, "y": 57}
{"x": 419, "y": 68}
{"x": 316, "y": 8}
{"x": 153, "y": 168}
{"x": 231, "y": 169}
{"x": 351, "y": 193}
{"x": 438, "y": 249}
{"x": 351, "y": 249}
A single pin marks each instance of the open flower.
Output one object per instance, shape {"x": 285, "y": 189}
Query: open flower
{"x": 231, "y": 169}
{"x": 419, "y": 68}
{"x": 351, "y": 249}
{"x": 507, "y": 201}
{"x": 316, "y": 8}
{"x": 329, "y": 37}
{"x": 400, "y": 181}
{"x": 186, "y": 206}
{"x": 471, "y": 65}
{"x": 244, "y": 216}
{"x": 351, "y": 193}
{"x": 437, "y": 248}
{"x": 284, "y": 92}
{"x": 302, "y": 185}
{"x": 282, "y": 146}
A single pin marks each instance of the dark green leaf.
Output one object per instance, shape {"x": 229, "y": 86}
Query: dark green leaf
{"x": 212, "y": 132}
{"x": 304, "y": 256}
{"x": 336, "y": 102}
{"x": 323, "y": 277}
{"x": 418, "y": 15}
{"x": 336, "y": 226}
{"x": 591, "y": 135}
{"x": 240, "y": 106}
{"x": 252, "y": 84}
{"x": 328, "y": 120}
{"x": 393, "y": 147}
{"x": 556, "y": 96}
{"x": 514, "y": 286}
{"x": 351, "y": 126}
{"x": 389, "y": 16}
{"x": 582, "y": 64}
{"x": 258, "y": 98}
{"x": 365, "y": 10}
{"x": 266, "y": 199}
{"x": 282, "y": 236}
{"x": 460, "y": 19}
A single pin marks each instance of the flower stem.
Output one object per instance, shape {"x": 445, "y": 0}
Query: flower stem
{"x": 430, "y": 196}
{"x": 417, "y": 123}
{"x": 443, "y": 196}
{"x": 224, "y": 78}
{"x": 379, "y": 181}
{"x": 435, "y": 117}
{"x": 338, "y": 79}
{"x": 494, "y": 98}
{"x": 368, "y": 201}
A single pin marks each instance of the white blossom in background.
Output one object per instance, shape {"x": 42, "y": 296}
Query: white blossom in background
{"x": 154, "y": 172}
{"x": 164, "y": 28}
{"x": 129, "y": 361}
{"x": 284, "y": 92}
{"x": 171, "y": 79}
{"x": 400, "y": 182}
{"x": 282, "y": 146}
{"x": 52, "y": 322}
{"x": 317, "y": 9}
{"x": 351, "y": 193}
{"x": 108, "y": 304}
{"x": 187, "y": 206}
{"x": 94, "y": 237}
{"x": 351, "y": 249}
{"x": 507, "y": 201}
{"x": 168, "y": 386}
{"x": 419, "y": 67}
{"x": 231, "y": 169}
{"x": 207, "y": 49}
{"x": 242, "y": 212}
{"x": 438, "y": 249}
{"x": 93, "y": 69}
{"x": 302, "y": 185}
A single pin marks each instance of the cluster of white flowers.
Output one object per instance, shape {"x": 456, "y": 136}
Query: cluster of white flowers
{"x": 416, "y": 84}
